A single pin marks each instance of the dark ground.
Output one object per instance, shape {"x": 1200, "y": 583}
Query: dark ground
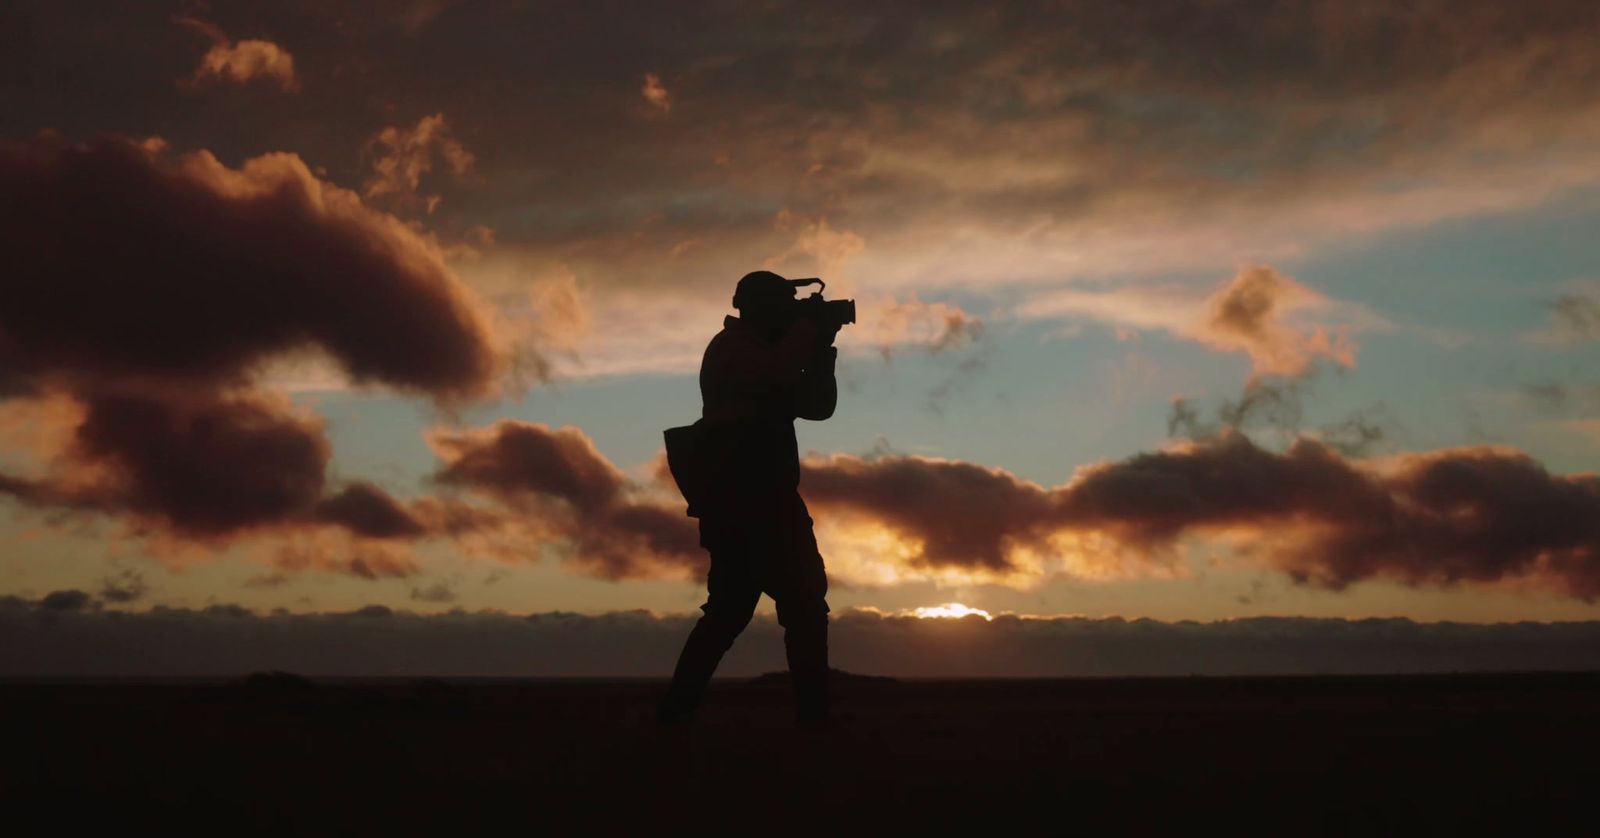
{"x": 1286, "y": 756}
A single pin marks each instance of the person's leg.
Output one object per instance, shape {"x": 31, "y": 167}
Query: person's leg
{"x": 800, "y": 589}
{"x": 805, "y": 643}
{"x": 732, "y": 594}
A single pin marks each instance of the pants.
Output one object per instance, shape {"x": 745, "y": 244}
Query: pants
{"x": 768, "y": 550}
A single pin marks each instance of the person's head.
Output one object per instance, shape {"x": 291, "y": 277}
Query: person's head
{"x": 764, "y": 299}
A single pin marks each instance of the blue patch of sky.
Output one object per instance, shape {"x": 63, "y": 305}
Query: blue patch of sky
{"x": 1489, "y": 274}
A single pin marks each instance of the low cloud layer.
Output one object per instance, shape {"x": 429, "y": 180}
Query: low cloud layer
{"x": 69, "y": 633}
{"x": 1479, "y": 515}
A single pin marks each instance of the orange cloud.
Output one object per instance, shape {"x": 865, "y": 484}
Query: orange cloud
{"x": 818, "y": 248}
{"x": 889, "y": 322}
{"x": 240, "y": 62}
{"x": 402, "y": 156}
{"x": 654, "y": 93}
{"x": 1247, "y": 314}
{"x": 1258, "y": 312}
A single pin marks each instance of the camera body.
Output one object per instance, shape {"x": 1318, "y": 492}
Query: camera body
{"x": 827, "y": 315}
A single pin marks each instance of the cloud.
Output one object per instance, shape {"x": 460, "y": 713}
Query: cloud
{"x": 127, "y": 586}
{"x": 437, "y": 592}
{"x": 1253, "y": 313}
{"x": 1587, "y": 429}
{"x": 514, "y": 490}
{"x": 1575, "y": 318}
{"x": 1546, "y": 396}
{"x": 68, "y": 600}
{"x": 890, "y": 323}
{"x": 1246, "y": 314}
{"x": 953, "y": 513}
{"x": 368, "y": 510}
{"x": 986, "y": 148}
{"x": 1315, "y": 511}
{"x": 146, "y": 292}
{"x": 1276, "y": 405}
{"x": 818, "y": 248}
{"x": 561, "y": 315}
{"x": 200, "y": 467}
{"x": 553, "y": 484}
{"x": 126, "y": 262}
{"x": 548, "y": 321}
{"x": 1475, "y": 515}
{"x": 402, "y": 156}
{"x": 298, "y": 548}
{"x": 978, "y": 148}
{"x": 240, "y": 62}
{"x": 581, "y": 329}
{"x": 195, "y": 472}
{"x": 654, "y": 93}
{"x": 228, "y": 641}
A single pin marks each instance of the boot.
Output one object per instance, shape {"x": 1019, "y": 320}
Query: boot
{"x": 696, "y": 664}
{"x": 807, "y": 650}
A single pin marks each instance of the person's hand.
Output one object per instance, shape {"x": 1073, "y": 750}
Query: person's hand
{"x": 828, "y": 334}
{"x": 822, "y": 360}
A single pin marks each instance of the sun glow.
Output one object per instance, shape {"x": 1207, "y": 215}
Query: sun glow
{"x": 949, "y": 610}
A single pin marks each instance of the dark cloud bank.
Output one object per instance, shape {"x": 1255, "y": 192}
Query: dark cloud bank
{"x": 146, "y": 290}
{"x": 128, "y": 262}
{"x": 1480, "y": 515}
{"x": 1476, "y": 515}
{"x": 891, "y": 119}
{"x": 553, "y": 484}
{"x": 68, "y": 634}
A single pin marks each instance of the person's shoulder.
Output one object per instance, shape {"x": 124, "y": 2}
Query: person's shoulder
{"x": 733, "y": 335}
{"x": 719, "y": 340}
{"x": 721, "y": 345}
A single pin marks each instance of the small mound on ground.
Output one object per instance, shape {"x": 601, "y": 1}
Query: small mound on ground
{"x": 835, "y": 676}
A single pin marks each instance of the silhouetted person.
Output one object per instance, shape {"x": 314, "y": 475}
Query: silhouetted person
{"x": 767, "y": 367}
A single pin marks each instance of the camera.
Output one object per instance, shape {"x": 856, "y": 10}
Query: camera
{"x": 825, "y": 314}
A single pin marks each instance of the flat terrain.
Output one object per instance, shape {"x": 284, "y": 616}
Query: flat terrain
{"x": 1288, "y": 756}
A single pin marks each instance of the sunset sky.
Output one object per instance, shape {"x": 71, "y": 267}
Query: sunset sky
{"x": 1175, "y": 310}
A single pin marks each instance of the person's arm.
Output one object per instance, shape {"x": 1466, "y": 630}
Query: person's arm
{"x": 759, "y": 369}
{"x": 817, "y": 394}
{"x": 743, "y": 376}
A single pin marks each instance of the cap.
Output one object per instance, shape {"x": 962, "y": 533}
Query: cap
{"x": 762, "y": 288}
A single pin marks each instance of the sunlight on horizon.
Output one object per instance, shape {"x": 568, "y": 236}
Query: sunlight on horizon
{"x": 949, "y": 610}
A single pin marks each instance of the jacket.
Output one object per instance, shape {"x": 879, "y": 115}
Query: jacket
{"x": 751, "y": 392}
